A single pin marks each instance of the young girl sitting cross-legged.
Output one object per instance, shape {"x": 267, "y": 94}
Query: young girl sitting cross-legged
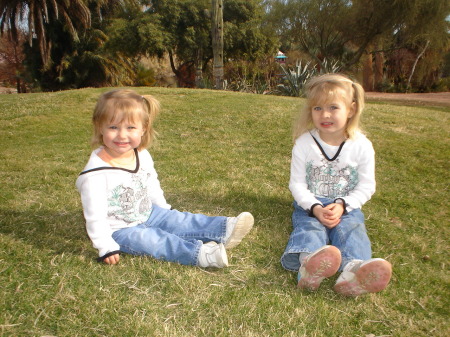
{"x": 332, "y": 176}
{"x": 123, "y": 203}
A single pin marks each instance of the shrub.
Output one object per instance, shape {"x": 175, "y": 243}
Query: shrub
{"x": 145, "y": 77}
{"x": 257, "y": 77}
{"x": 294, "y": 79}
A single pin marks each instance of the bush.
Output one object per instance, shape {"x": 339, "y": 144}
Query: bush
{"x": 442, "y": 85}
{"x": 257, "y": 77}
{"x": 145, "y": 77}
{"x": 294, "y": 79}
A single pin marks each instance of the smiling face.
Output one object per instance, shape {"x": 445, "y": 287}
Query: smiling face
{"x": 330, "y": 117}
{"x": 121, "y": 137}
{"x": 123, "y": 108}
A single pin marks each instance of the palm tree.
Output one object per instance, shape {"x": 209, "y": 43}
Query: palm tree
{"x": 37, "y": 14}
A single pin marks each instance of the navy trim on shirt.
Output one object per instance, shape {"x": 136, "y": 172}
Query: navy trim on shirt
{"x": 323, "y": 152}
{"x": 116, "y": 168}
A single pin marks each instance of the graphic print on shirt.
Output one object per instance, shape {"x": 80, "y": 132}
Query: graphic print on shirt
{"x": 130, "y": 203}
{"x": 329, "y": 180}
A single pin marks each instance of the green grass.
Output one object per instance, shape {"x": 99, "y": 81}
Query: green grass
{"x": 218, "y": 153}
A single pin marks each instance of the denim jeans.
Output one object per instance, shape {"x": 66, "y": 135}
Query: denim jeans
{"x": 308, "y": 235}
{"x": 171, "y": 235}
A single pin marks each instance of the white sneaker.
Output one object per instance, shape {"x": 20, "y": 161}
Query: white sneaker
{"x": 237, "y": 228}
{"x": 213, "y": 254}
{"x": 360, "y": 277}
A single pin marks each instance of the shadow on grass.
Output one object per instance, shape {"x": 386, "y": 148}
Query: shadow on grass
{"x": 260, "y": 205}
{"x": 64, "y": 231}
{"x": 60, "y": 232}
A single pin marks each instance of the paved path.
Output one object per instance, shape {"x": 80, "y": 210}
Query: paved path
{"x": 438, "y": 98}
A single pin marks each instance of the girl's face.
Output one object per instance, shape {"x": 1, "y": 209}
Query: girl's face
{"x": 331, "y": 117}
{"x": 121, "y": 136}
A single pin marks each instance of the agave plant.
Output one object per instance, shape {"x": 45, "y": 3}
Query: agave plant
{"x": 330, "y": 66}
{"x": 294, "y": 79}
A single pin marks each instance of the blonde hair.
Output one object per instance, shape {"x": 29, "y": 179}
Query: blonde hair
{"x": 125, "y": 104}
{"x": 322, "y": 89}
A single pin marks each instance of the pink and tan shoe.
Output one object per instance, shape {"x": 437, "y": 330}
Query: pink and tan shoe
{"x": 320, "y": 264}
{"x": 362, "y": 277}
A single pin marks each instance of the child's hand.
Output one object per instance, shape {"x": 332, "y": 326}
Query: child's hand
{"x": 113, "y": 259}
{"x": 336, "y": 212}
{"x": 329, "y": 216}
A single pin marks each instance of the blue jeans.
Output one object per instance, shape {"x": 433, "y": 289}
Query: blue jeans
{"x": 171, "y": 235}
{"x": 308, "y": 235}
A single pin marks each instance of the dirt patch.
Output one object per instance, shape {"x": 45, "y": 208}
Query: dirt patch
{"x": 435, "y": 98}
{"x": 4, "y": 90}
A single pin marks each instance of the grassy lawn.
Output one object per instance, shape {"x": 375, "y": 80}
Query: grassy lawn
{"x": 218, "y": 153}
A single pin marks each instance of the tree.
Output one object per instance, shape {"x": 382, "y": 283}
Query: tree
{"x": 186, "y": 34}
{"x": 335, "y": 29}
{"x": 246, "y": 35}
{"x": 38, "y": 14}
{"x": 11, "y": 62}
{"x": 87, "y": 60}
{"x": 67, "y": 41}
{"x": 346, "y": 30}
{"x": 307, "y": 25}
{"x": 179, "y": 29}
{"x": 424, "y": 36}
{"x": 182, "y": 30}
{"x": 217, "y": 42}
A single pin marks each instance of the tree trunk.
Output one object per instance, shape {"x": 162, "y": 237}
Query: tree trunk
{"x": 172, "y": 64}
{"x": 379, "y": 68}
{"x": 415, "y": 64}
{"x": 199, "y": 69}
{"x": 18, "y": 86}
{"x": 217, "y": 42}
{"x": 368, "y": 72}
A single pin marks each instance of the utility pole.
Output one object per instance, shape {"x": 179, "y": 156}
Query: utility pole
{"x": 217, "y": 42}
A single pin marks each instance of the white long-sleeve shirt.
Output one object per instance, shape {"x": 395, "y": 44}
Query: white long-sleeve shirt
{"x": 115, "y": 198}
{"x": 346, "y": 171}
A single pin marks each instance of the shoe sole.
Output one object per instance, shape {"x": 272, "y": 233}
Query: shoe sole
{"x": 241, "y": 229}
{"x": 321, "y": 264}
{"x": 223, "y": 253}
{"x": 371, "y": 277}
